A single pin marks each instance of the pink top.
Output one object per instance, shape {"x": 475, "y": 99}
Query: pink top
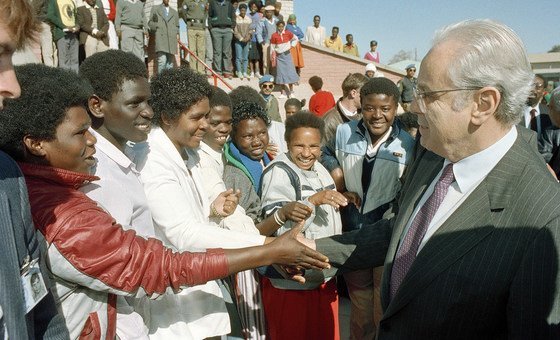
{"x": 373, "y": 56}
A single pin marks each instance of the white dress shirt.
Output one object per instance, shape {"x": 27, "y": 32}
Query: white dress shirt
{"x": 276, "y": 132}
{"x": 527, "y": 117}
{"x": 315, "y": 35}
{"x": 119, "y": 190}
{"x": 121, "y": 193}
{"x": 469, "y": 173}
{"x": 211, "y": 165}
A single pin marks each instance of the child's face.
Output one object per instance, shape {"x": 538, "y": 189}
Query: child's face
{"x": 290, "y": 110}
{"x": 189, "y": 129}
{"x": 304, "y": 147}
{"x": 128, "y": 116}
{"x": 378, "y": 111}
{"x": 73, "y": 146}
{"x": 219, "y": 127}
{"x": 251, "y": 138}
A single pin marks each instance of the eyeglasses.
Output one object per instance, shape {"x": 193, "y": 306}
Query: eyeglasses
{"x": 420, "y": 96}
{"x": 267, "y": 86}
{"x": 538, "y": 86}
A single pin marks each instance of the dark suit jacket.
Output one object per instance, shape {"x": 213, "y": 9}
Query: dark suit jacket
{"x": 17, "y": 241}
{"x": 549, "y": 140}
{"x": 543, "y": 117}
{"x": 85, "y": 21}
{"x": 489, "y": 272}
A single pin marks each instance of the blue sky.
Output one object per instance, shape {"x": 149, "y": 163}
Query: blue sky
{"x": 410, "y": 24}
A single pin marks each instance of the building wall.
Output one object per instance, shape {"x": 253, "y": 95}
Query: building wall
{"x": 333, "y": 67}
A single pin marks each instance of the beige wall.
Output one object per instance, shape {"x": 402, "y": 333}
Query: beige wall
{"x": 333, "y": 67}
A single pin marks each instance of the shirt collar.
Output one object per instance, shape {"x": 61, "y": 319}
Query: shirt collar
{"x": 112, "y": 151}
{"x": 346, "y": 112}
{"x": 217, "y": 156}
{"x": 536, "y": 108}
{"x": 473, "y": 169}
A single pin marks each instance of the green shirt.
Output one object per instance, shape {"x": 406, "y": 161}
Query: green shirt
{"x": 193, "y": 12}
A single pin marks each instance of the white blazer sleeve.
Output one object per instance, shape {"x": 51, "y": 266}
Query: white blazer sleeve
{"x": 177, "y": 214}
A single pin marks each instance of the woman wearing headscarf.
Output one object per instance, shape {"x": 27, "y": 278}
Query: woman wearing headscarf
{"x": 297, "y": 54}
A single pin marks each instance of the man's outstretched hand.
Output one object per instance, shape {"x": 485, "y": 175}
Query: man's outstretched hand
{"x": 293, "y": 255}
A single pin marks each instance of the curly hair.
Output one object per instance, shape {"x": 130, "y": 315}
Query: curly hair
{"x": 303, "y": 119}
{"x": 46, "y": 95}
{"x": 246, "y": 94}
{"x": 107, "y": 71}
{"x": 257, "y": 3}
{"x": 176, "y": 90}
{"x": 380, "y": 86}
{"x": 247, "y": 110}
{"x": 409, "y": 120}
{"x": 219, "y": 97}
{"x": 316, "y": 83}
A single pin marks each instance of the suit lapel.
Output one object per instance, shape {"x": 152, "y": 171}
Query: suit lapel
{"x": 419, "y": 180}
{"x": 462, "y": 231}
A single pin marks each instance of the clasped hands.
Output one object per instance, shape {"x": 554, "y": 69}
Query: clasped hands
{"x": 226, "y": 203}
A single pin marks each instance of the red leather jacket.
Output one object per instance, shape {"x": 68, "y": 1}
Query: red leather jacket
{"x": 91, "y": 257}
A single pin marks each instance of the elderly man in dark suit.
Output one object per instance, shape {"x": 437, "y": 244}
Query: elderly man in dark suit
{"x": 21, "y": 316}
{"x": 473, "y": 250}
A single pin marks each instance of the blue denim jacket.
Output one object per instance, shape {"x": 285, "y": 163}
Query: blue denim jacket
{"x": 347, "y": 152}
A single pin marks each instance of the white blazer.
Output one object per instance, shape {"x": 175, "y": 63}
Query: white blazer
{"x": 180, "y": 210}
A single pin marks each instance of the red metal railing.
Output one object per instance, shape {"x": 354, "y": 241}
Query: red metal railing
{"x": 215, "y": 76}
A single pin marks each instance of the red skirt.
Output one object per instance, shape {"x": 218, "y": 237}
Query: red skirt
{"x": 301, "y": 314}
{"x": 297, "y": 55}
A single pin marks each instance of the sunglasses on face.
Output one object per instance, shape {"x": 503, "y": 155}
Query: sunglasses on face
{"x": 267, "y": 86}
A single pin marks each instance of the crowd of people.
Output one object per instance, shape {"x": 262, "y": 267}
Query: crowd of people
{"x": 243, "y": 38}
{"x": 164, "y": 207}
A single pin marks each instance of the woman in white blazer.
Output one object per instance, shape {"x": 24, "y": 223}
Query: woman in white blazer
{"x": 183, "y": 216}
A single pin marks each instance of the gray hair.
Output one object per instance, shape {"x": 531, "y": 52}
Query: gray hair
{"x": 491, "y": 55}
{"x": 555, "y": 99}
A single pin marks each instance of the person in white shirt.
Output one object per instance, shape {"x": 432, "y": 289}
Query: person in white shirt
{"x": 315, "y": 34}
{"x": 211, "y": 164}
{"x": 120, "y": 113}
{"x": 184, "y": 217}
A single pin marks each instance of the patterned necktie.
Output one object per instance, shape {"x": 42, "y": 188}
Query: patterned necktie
{"x": 533, "y": 121}
{"x": 406, "y": 253}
